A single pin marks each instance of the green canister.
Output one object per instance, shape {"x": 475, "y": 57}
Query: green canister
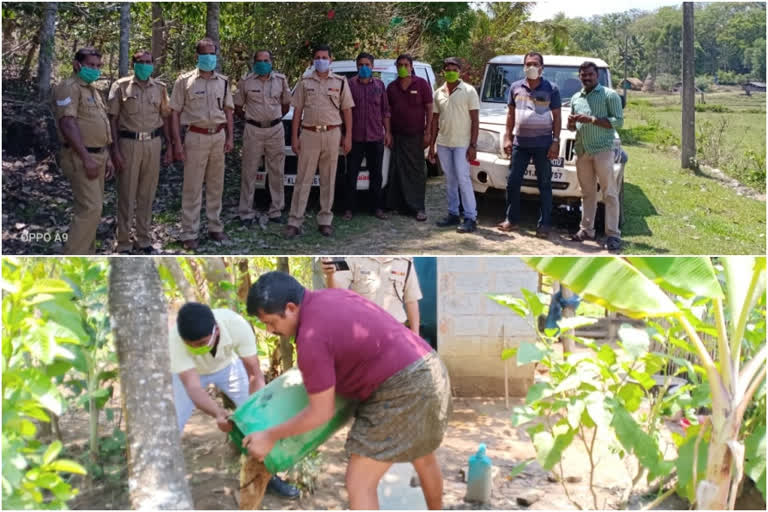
{"x": 280, "y": 400}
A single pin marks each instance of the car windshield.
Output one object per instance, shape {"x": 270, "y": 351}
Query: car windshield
{"x": 501, "y": 76}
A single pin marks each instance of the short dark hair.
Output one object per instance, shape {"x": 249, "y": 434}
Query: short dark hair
{"x": 195, "y": 321}
{"x": 452, "y": 60}
{"x": 588, "y": 64}
{"x": 206, "y": 41}
{"x": 82, "y": 53}
{"x": 141, "y": 53}
{"x": 272, "y": 292}
{"x": 257, "y": 52}
{"x": 321, "y": 48}
{"x": 534, "y": 54}
{"x": 405, "y": 56}
{"x": 364, "y": 55}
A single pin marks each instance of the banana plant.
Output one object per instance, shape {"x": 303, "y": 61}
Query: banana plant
{"x": 730, "y": 287}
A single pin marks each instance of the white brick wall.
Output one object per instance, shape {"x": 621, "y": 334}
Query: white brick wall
{"x": 470, "y": 324}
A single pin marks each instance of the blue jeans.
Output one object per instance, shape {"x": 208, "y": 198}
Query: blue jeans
{"x": 458, "y": 181}
{"x": 517, "y": 166}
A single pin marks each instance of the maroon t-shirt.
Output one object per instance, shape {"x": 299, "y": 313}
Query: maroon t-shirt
{"x": 346, "y": 341}
{"x": 409, "y": 107}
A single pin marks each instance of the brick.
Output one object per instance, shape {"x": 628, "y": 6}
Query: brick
{"x": 470, "y": 326}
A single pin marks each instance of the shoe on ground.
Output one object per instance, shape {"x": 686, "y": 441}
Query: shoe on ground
{"x": 191, "y": 244}
{"x": 506, "y": 226}
{"x": 145, "y": 250}
{"x": 448, "y": 220}
{"x": 291, "y": 232}
{"x": 277, "y": 220}
{"x": 468, "y": 226}
{"x": 348, "y": 215}
{"x": 282, "y": 488}
{"x": 543, "y": 231}
{"x": 325, "y": 230}
{"x": 581, "y": 236}
{"x": 421, "y": 216}
{"x": 248, "y": 222}
{"x": 379, "y": 214}
{"x": 217, "y": 236}
{"x": 613, "y": 243}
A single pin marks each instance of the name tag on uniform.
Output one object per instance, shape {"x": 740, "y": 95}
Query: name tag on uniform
{"x": 333, "y": 90}
{"x": 414, "y": 91}
{"x": 255, "y": 90}
{"x": 366, "y": 272}
{"x": 308, "y": 89}
{"x": 396, "y": 273}
{"x": 199, "y": 92}
{"x": 63, "y": 103}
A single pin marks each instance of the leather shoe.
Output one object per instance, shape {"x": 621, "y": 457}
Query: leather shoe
{"x": 506, "y": 226}
{"x": 379, "y": 214}
{"x": 277, "y": 220}
{"x": 282, "y": 488}
{"x": 190, "y": 245}
{"x": 217, "y": 236}
{"x": 325, "y": 230}
{"x": 291, "y": 232}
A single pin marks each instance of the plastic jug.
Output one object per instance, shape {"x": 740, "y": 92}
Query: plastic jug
{"x": 479, "y": 481}
{"x": 280, "y": 400}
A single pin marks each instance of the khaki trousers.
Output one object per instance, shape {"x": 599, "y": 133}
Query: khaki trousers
{"x": 591, "y": 169}
{"x": 136, "y": 186}
{"x": 270, "y": 144}
{"x": 318, "y": 150}
{"x": 88, "y": 198}
{"x": 203, "y": 162}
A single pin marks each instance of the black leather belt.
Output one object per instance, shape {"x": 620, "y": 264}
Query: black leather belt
{"x": 264, "y": 124}
{"x": 125, "y": 134}
{"x": 90, "y": 150}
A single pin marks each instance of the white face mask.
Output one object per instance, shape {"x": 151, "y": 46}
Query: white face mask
{"x": 532, "y": 72}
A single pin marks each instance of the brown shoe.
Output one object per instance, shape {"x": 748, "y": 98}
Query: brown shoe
{"x": 348, "y": 215}
{"x": 291, "y": 232}
{"x": 379, "y": 214}
{"x": 191, "y": 244}
{"x": 325, "y": 230}
{"x": 506, "y": 226}
{"x": 217, "y": 236}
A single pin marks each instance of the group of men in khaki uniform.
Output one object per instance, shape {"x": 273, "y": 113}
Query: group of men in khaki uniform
{"x": 126, "y": 133}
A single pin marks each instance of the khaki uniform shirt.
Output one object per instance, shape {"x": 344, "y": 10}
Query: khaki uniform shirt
{"x": 263, "y": 99}
{"x": 74, "y": 98}
{"x": 322, "y": 99}
{"x": 141, "y": 107}
{"x": 202, "y": 101}
{"x": 386, "y": 281}
{"x": 236, "y": 339}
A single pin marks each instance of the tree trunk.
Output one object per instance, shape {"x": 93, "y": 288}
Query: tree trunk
{"x": 182, "y": 283}
{"x": 45, "y": 59}
{"x": 156, "y": 469}
{"x": 714, "y": 492}
{"x": 286, "y": 348}
{"x": 212, "y": 28}
{"x": 201, "y": 286}
{"x": 689, "y": 91}
{"x": 245, "y": 280}
{"x": 158, "y": 39}
{"x": 318, "y": 278}
{"x": 27, "y": 67}
{"x": 254, "y": 478}
{"x": 216, "y": 272}
{"x": 125, "y": 35}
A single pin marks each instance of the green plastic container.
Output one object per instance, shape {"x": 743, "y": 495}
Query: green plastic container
{"x": 277, "y": 402}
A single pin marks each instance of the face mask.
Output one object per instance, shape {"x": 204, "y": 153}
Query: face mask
{"x": 364, "y": 72}
{"x": 206, "y": 62}
{"x": 322, "y": 65}
{"x": 403, "y": 72}
{"x": 532, "y": 72}
{"x": 199, "y": 351}
{"x": 451, "y": 76}
{"x": 89, "y": 75}
{"x": 142, "y": 70}
{"x": 262, "y": 68}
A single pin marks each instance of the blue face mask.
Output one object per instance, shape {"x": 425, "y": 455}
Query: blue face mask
{"x": 322, "y": 65}
{"x": 365, "y": 72}
{"x": 206, "y": 62}
{"x": 262, "y": 68}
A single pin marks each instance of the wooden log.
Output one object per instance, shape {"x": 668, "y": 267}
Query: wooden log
{"x": 254, "y": 478}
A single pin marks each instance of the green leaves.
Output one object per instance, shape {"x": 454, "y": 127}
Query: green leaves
{"x": 67, "y": 466}
{"x": 635, "y": 342}
{"x": 686, "y": 487}
{"x": 528, "y": 353}
{"x": 754, "y": 463}
{"x": 549, "y": 449}
{"x": 638, "y": 442}
{"x": 682, "y": 276}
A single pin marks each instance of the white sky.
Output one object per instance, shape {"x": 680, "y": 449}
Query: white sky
{"x": 588, "y": 8}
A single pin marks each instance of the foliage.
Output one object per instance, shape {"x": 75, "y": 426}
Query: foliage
{"x": 41, "y": 332}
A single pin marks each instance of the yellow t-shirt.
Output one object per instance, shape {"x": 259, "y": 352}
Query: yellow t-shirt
{"x": 455, "y": 130}
{"x": 236, "y": 340}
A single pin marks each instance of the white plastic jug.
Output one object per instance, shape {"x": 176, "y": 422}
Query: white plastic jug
{"x": 479, "y": 477}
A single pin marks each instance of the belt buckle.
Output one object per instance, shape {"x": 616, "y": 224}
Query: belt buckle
{"x": 322, "y": 128}
{"x": 211, "y": 131}
{"x": 144, "y": 136}
{"x": 264, "y": 124}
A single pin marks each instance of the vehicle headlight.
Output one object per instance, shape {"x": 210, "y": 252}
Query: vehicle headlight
{"x": 488, "y": 142}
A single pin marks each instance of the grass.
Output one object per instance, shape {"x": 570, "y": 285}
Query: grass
{"x": 730, "y": 130}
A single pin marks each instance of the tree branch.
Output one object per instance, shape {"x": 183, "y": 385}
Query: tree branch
{"x": 750, "y": 370}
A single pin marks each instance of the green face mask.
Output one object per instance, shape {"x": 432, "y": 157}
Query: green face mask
{"x": 142, "y": 70}
{"x": 451, "y": 76}
{"x": 199, "y": 351}
{"x": 403, "y": 72}
{"x": 88, "y": 75}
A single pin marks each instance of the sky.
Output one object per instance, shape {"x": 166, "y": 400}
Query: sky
{"x": 588, "y": 8}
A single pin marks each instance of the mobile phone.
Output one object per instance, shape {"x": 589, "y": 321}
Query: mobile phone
{"x": 339, "y": 264}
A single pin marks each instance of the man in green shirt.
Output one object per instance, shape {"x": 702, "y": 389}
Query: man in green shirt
{"x": 596, "y": 113}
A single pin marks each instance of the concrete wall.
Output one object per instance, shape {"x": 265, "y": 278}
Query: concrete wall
{"x": 470, "y": 324}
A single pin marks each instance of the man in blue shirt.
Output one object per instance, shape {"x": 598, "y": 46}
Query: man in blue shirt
{"x": 533, "y": 132}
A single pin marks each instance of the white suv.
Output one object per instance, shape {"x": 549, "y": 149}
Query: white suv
{"x": 385, "y": 70}
{"x": 492, "y": 166}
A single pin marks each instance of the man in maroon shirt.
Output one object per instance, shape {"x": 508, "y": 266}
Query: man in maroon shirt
{"x": 410, "y": 101}
{"x": 349, "y": 345}
{"x": 370, "y": 133}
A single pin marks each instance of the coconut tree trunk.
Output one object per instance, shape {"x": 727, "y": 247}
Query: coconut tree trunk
{"x": 45, "y": 60}
{"x": 156, "y": 470}
{"x": 125, "y": 35}
{"x": 212, "y": 28}
{"x": 689, "y": 91}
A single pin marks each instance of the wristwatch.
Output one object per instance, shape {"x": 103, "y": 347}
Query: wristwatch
{"x": 473, "y": 145}
{"x": 555, "y": 139}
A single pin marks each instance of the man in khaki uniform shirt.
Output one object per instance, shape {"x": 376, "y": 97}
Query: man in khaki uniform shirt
{"x": 139, "y": 113}
{"x": 262, "y": 98}
{"x": 320, "y": 98}
{"x": 83, "y": 129}
{"x": 202, "y": 100}
{"x": 390, "y": 282}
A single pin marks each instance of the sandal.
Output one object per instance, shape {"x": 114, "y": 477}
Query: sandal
{"x": 421, "y": 216}
{"x": 581, "y": 236}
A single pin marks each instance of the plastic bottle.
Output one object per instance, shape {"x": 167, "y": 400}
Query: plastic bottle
{"x": 479, "y": 481}
{"x": 280, "y": 400}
